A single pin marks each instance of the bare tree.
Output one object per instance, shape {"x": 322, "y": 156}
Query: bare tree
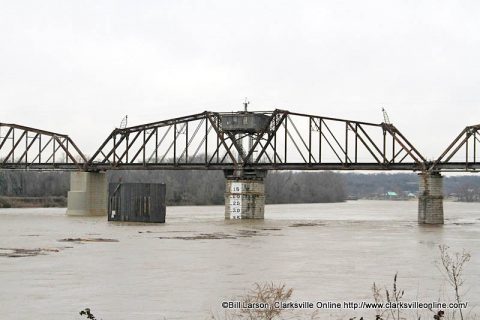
{"x": 452, "y": 267}
{"x": 266, "y": 294}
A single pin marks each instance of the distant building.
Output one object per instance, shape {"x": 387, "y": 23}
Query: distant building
{"x": 391, "y": 195}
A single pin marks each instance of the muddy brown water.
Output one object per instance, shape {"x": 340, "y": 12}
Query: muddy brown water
{"x": 52, "y": 266}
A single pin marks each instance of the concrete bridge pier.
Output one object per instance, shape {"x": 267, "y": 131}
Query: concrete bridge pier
{"x": 245, "y": 194}
{"x": 430, "y": 198}
{"x": 88, "y": 194}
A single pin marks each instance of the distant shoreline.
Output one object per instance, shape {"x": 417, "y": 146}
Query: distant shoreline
{"x": 33, "y": 202}
{"x": 61, "y": 202}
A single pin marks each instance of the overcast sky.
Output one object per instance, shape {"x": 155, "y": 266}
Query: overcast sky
{"x": 78, "y": 67}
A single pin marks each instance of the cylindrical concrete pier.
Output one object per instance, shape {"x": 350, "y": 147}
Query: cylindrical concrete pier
{"x": 430, "y": 198}
{"x": 88, "y": 194}
{"x": 245, "y": 197}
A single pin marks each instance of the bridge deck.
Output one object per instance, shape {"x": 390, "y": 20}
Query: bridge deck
{"x": 444, "y": 167}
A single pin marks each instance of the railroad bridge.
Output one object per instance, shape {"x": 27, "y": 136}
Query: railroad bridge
{"x": 245, "y": 145}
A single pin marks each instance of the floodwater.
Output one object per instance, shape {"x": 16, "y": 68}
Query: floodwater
{"x": 185, "y": 268}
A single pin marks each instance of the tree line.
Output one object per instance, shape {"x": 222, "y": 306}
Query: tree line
{"x": 186, "y": 187}
{"x": 208, "y": 187}
{"x": 304, "y": 187}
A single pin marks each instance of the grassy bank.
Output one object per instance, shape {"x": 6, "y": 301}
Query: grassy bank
{"x": 32, "y": 202}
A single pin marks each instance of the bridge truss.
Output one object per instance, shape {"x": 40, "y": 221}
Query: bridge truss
{"x": 462, "y": 154}
{"x": 279, "y": 140}
{"x": 29, "y": 148}
{"x": 286, "y": 141}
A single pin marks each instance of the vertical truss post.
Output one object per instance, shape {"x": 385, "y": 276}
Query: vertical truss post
{"x": 13, "y": 146}
{"x": 286, "y": 138}
{"x": 156, "y": 145}
{"x": 206, "y": 141}
{"x": 346, "y": 141}
{"x": 40, "y": 149}
{"x": 466, "y": 149}
{"x": 393, "y": 148}
{"x": 66, "y": 149}
{"x": 275, "y": 120}
{"x": 384, "y": 153}
{"x": 186, "y": 142}
{"x": 320, "y": 140}
{"x": 310, "y": 140}
{"x": 356, "y": 142}
{"x": 175, "y": 143}
{"x": 144, "y": 146}
{"x": 127, "y": 147}
{"x": 26, "y": 149}
{"x": 475, "y": 147}
{"x": 54, "y": 150}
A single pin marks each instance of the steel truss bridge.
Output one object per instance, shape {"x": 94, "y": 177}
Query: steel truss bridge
{"x": 279, "y": 140}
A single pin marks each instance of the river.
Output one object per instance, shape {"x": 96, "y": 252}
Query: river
{"x": 185, "y": 268}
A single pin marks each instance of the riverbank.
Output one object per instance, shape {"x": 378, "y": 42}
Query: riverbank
{"x": 33, "y": 202}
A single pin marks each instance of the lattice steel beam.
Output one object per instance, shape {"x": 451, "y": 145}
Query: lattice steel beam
{"x": 46, "y": 149}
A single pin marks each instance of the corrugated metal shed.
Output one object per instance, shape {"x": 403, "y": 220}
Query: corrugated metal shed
{"x": 137, "y": 202}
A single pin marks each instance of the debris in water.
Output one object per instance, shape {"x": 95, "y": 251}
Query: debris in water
{"x": 248, "y": 233}
{"x": 20, "y": 253}
{"x": 218, "y": 235}
{"x": 202, "y": 236}
{"x": 307, "y": 224}
{"x": 81, "y": 240}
